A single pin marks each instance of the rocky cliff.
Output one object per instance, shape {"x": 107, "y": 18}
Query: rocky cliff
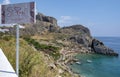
{"x": 48, "y": 19}
{"x": 100, "y": 48}
{"x": 79, "y": 35}
{"x": 43, "y": 25}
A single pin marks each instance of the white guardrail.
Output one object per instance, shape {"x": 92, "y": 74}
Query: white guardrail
{"x": 6, "y": 70}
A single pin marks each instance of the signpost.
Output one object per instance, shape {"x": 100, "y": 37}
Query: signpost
{"x": 18, "y": 14}
{"x": 17, "y": 50}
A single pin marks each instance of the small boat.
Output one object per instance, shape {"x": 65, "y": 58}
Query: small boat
{"x": 78, "y": 62}
{"x": 89, "y": 61}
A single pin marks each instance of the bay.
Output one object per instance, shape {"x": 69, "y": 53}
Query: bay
{"x": 101, "y": 65}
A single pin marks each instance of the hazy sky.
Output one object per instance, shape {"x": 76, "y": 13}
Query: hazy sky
{"x": 102, "y": 17}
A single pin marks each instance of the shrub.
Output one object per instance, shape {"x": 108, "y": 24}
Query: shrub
{"x": 27, "y": 64}
{"x": 5, "y": 37}
{"x": 51, "y": 50}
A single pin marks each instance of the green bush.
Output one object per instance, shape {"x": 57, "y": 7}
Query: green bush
{"x": 1, "y": 34}
{"x": 5, "y": 37}
{"x": 27, "y": 64}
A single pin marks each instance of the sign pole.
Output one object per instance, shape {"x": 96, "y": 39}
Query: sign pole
{"x": 17, "y": 50}
{"x": 24, "y": 13}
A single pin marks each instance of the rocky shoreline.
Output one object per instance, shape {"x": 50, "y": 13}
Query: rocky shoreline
{"x": 68, "y": 59}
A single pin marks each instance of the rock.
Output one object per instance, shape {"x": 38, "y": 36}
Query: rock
{"x": 100, "y": 48}
{"x": 78, "y": 34}
{"x": 80, "y": 40}
{"x": 81, "y": 36}
{"x": 60, "y": 71}
{"x": 52, "y": 66}
{"x": 44, "y": 24}
{"x": 44, "y": 18}
{"x": 52, "y": 28}
{"x": 79, "y": 28}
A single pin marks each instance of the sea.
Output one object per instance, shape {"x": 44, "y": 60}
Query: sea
{"x": 99, "y": 65}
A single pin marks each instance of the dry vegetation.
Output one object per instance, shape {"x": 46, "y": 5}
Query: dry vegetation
{"x": 33, "y": 63}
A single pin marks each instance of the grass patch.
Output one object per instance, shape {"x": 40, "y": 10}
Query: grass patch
{"x": 51, "y": 50}
{"x": 32, "y": 63}
{"x": 5, "y": 36}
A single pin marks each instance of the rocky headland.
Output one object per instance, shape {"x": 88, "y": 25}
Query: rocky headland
{"x": 70, "y": 40}
{"x": 77, "y": 34}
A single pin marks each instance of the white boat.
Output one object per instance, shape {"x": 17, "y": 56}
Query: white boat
{"x": 78, "y": 62}
{"x": 89, "y": 61}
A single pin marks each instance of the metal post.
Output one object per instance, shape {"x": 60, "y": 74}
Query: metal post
{"x": 17, "y": 50}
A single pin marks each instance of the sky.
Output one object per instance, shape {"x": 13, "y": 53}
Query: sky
{"x": 102, "y": 17}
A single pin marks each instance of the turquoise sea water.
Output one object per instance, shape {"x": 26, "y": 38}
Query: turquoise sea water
{"x": 101, "y": 66}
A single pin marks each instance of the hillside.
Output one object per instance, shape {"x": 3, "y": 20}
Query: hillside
{"x": 77, "y": 35}
{"x": 46, "y": 49}
{"x": 33, "y": 63}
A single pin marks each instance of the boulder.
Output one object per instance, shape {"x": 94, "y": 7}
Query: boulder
{"x": 100, "y": 48}
{"x": 44, "y": 18}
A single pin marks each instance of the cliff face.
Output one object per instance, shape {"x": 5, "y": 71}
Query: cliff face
{"x": 43, "y": 25}
{"x": 44, "y": 18}
{"x": 100, "y": 48}
{"x": 81, "y": 35}
{"x": 77, "y": 34}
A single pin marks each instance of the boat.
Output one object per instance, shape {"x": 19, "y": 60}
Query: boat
{"x": 89, "y": 61}
{"x": 78, "y": 62}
